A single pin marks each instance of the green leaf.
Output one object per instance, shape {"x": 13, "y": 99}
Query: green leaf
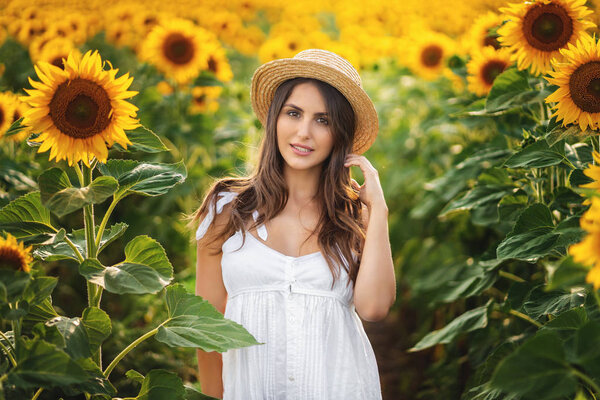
{"x": 192, "y": 393}
{"x": 537, "y": 369}
{"x": 143, "y": 139}
{"x": 540, "y": 302}
{"x": 569, "y": 320}
{"x": 587, "y": 348}
{"x": 41, "y": 364}
{"x": 39, "y": 289}
{"x": 467, "y": 322}
{"x": 98, "y": 326}
{"x": 134, "y": 376}
{"x": 148, "y": 179}
{"x": 146, "y": 269}
{"x": 26, "y": 217}
{"x": 96, "y": 384}
{"x": 14, "y": 128}
{"x": 161, "y": 384}
{"x": 568, "y": 274}
{"x": 62, "y": 198}
{"x": 537, "y": 155}
{"x": 511, "y": 205}
{"x": 478, "y": 196}
{"x": 61, "y": 250}
{"x": 74, "y": 334}
{"x": 194, "y": 322}
{"x": 509, "y": 88}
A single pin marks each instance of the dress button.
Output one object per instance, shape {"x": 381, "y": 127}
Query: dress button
{"x": 291, "y": 378}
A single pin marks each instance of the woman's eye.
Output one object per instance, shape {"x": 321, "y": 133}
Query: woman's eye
{"x": 292, "y": 113}
{"x": 324, "y": 121}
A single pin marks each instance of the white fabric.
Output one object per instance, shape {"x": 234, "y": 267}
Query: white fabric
{"x": 315, "y": 346}
{"x": 226, "y": 197}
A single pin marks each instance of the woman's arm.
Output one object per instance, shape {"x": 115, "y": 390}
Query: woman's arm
{"x": 209, "y": 285}
{"x": 375, "y": 286}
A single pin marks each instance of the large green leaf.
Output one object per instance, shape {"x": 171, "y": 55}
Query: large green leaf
{"x": 537, "y": 369}
{"x": 511, "y": 90}
{"x": 41, "y": 364}
{"x": 467, "y": 322}
{"x": 61, "y": 250}
{"x": 146, "y": 269}
{"x": 537, "y": 155}
{"x": 39, "y": 289}
{"x": 74, "y": 334}
{"x": 568, "y": 321}
{"x": 143, "y": 139}
{"x": 587, "y": 348}
{"x": 62, "y": 198}
{"x": 161, "y": 384}
{"x": 97, "y": 324}
{"x": 26, "y": 217}
{"x": 96, "y": 383}
{"x": 194, "y": 322}
{"x": 567, "y": 274}
{"x": 147, "y": 179}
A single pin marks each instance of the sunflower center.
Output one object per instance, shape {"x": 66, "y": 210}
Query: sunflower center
{"x": 178, "y": 49}
{"x": 547, "y": 27}
{"x": 58, "y": 62}
{"x": 584, "y": 86}
{"x": 80, "y": 108}
{"x": 11, "y": 258}
{"x": 431, "y": 55}
{"x": 491, "y": 70}
{"x": 492, "y": 40}
{"x": 200, "y": 100}
{"x": 212, "y": 65}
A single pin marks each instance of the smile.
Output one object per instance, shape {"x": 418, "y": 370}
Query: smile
{"x": 301, "y": 150}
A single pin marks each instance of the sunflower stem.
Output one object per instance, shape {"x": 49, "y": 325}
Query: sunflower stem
{"x": 74, "y": 248}
{"x": 525, "y": 318}
{"x": 586, "y": 379}
{"x": 127, "y": 349}
{"x": 7, "y": 340}
{"x": 37, "y": 394}
{"x": 9, "y": 354}
{"x": 105, "y": 221}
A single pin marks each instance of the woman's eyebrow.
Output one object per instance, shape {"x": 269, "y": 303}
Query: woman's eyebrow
{"x": 299, "y": 109}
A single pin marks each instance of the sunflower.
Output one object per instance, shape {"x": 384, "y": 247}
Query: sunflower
{"x": 54, "y": 51}
{"x": 483, "y": 68}
{"x": 79, "y": 110}
{"x": 587, "y": 252}
{"x": 427, "y": 54}
{"x": 218, "y": 64}
{"x": 14, "y": 255}
{"x": 7, "y": 110}
{"x": 177, "y": 48}
{"x": 593, "y": 171}
{"x": 578, "y": 79}
{"x": 204, "y": 99}
{"x": 20, "y": 108}
{"x": 483, "y": 33}
{"x": 537, "y": 30}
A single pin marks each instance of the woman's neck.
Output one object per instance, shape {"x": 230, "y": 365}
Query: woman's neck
{"x": 302, "y": 184}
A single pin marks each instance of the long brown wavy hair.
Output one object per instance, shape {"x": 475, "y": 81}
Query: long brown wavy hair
{"x": 341, "y": 233}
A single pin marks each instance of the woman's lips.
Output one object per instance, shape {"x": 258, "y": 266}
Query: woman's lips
{"x": 300, "y": 152}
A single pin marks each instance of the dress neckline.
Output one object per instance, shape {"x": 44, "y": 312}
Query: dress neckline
{"x": 302, "y": 257}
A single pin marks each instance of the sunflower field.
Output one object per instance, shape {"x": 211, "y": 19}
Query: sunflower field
{"x": 116, "y": 116}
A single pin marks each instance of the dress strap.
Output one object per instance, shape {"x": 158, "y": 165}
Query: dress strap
{"x": 225, "y": 198}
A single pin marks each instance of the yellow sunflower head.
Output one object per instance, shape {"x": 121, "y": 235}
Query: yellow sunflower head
{"x": 13, "y": 255}
{"x": 483, "y": 33}
{"x": 80, "y": 110}
{"x": 577, "y": 99}
{"x": 178, "y": 49}
{"x": 7, "y": 110}
{"x": 428, "y": 53}
{"x": 204, "y": 99}
{"x": 483, "y": 68}
{"x": 217, "y": 63}
{"x": 537, "y": 30}
{"x": 593, "y": 171}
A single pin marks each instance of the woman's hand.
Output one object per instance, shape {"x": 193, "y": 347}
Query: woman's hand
{"x": 370, "y": 193}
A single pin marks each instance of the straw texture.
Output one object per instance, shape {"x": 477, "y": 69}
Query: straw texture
{"x": 327, "y": 67}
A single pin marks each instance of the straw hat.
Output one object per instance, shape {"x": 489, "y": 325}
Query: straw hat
{"x": 327, "y": 67}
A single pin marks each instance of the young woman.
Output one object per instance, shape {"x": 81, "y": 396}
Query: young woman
{"x": 298, "y": 250}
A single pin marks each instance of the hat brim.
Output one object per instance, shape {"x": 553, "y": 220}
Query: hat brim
{"x": 269, "y": 76}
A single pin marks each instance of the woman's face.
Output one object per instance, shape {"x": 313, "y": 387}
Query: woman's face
{"x": 303, "y": 121}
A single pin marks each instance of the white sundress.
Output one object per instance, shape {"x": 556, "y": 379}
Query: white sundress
{"x": 315, "y": 346}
